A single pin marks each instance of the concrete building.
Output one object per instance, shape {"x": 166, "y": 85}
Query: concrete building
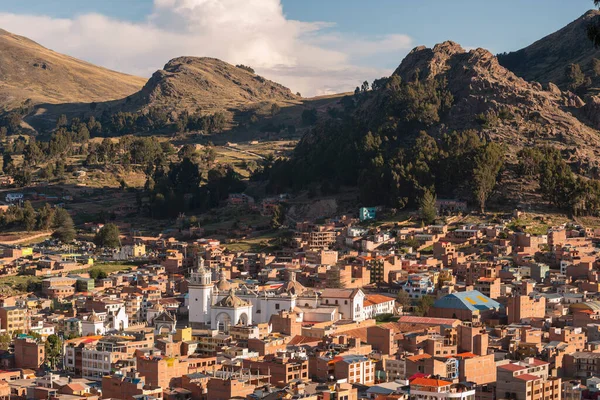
{"x": 527, "y": 380}
{"x": 438, "y": 389}
{"x": 14, "y": 319}
{"x": 128, "y": 387}
{"x": 29, "y": 353}
{"x": 522, "y": 307}
{"x": 355, "y": 369}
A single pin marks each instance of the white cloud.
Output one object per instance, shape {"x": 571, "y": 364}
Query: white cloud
{"x": 310, "y": 57}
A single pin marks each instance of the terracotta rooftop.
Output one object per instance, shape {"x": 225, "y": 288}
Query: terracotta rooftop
{"x": 299, "y": 339}
{"x": 429, "y": 382}
{"x": 512, "y": 367}
{"x": 339, "y": 293}
{"x": 427, "y": 321}
{"x": 527, "y": 377}
{"x": 372, "y": 299}
{"x": 418, "y": 357}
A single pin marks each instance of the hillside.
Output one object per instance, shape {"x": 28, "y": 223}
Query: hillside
{"x": 547, "y": 59}
{"x": 31, "y": 71}
{"x": 196, "y": 85}
{"x": 208, "y": 84}
{"x": 440, "y": 116}
{"x": 518, "y": 112}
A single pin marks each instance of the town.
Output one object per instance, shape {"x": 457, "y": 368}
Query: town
{"x": 348, "y": 308}
{"x": 299, "y": 200}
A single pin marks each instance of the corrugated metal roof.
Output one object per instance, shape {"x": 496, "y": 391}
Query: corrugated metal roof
{"x": 472, "y": 300}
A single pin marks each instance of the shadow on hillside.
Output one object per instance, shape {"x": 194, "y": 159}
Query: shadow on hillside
{"x": 265, "y": 127}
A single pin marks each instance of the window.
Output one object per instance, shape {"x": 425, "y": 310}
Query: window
{"x": 277, "y": 306}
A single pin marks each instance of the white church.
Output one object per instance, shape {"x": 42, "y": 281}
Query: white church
{"x": 219, "y": 306}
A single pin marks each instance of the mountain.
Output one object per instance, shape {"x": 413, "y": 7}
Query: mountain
{"x": 443, "y": 114}
{"x": 31, "y": 71}
{"x": 209, "y": 84}
{"x": 196, "y": 85}
{"x": 547, "y": 59}
{"x": 519, "y": 112}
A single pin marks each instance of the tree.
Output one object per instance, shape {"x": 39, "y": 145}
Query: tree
{"x": 333, "y": 278}
{"x": 245, "y": 68}
{"x": 29, "y": 218}
{"x": 275, "y": 109}
{"x": 8, "y": 165}
{"x": 5, "y": 341}
{"x": 32, "y": 154}
{"x": 575, "y": 76}
{"x": 593, "y": 29}
{"x": 278, "y": 217}
{"x": 64, "y": 227}
{"x": 424, "y": 304}
{"x": 404, "y": 299}
{"x": 53, "y": 347}
{"x": 596, "y": 67}
{"x": 309, "y": 117}
{"x": 488, "y": 163}
{"x": 427, "y": 208}
{"x": 45, "y": 217}
{"x": 97, "y": 273}
{"x": 108, "y": 236}
{"x": 62, "y": 121}
{"x": 23, "y": 177}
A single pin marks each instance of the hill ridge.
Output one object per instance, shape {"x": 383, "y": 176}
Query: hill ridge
{"x": 29, "y": 70}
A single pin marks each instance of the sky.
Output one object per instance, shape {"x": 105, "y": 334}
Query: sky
{"x": 314, "y": 47}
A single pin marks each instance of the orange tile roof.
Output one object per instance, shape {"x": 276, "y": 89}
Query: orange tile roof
{"x": 377, "y": 299}
{"x": 465, "y": 355}
{"x": 299, "y": 339}
{"x": 512, "y": 367}
{"x": 429, "y": 382}
{"x": 418, "y": 357}
{"x": 358, "y": 333}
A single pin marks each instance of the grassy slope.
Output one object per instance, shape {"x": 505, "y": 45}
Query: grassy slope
{"x": 63, "y": 80}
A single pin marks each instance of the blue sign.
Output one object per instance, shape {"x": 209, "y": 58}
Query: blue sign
{"x": 367, "y": 213}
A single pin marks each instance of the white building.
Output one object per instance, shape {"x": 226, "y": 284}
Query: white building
{"x": 377, "y": 304}
{"x": 230, "y": 310}
{"x": 129, "y": 252}
{"x": 268, "y": 302}
{"x": 94, "y": 324}
{"x": 350, "y": 302}
{"x": 13, "y": 197}
{"x": 200, "y": 288}
{"x": 437, "y": 389}
{"x": 96, "y": 360}
{"x": 100, "y": 323}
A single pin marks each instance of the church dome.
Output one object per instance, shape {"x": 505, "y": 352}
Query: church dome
{"x": 231, "y": 300}
{"x": 223, "y": 285}
{"x": 94, "y": 317}
{"x": 292, "y": 286}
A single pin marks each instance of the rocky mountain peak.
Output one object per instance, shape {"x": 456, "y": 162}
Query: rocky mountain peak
{"x": 209, "y": 84}
{"x": 489, "y": 97}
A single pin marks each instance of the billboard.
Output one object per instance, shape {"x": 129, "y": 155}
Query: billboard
{"x": 367, "y": 213}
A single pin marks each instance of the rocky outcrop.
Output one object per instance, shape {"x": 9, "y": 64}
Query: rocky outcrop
{"x": 592, "y": 110}
{"x": 519, "y": 112}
